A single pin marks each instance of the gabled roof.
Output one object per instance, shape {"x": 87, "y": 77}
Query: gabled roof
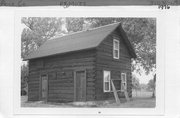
{"x": 78, "y": 41}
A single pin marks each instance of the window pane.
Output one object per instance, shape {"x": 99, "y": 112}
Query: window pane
{"x": 123, "y": 78}
{"x": 116, "y": 53}
{"x": 116, "y": 49}
{"x": 107, "y": 78}
{"x": 125, "y": 86}
{"x": 116, "y": 45}
{"x": 122, "y": 86}
{"x": 107, "y": 81}
{"x": 106, "y": 86}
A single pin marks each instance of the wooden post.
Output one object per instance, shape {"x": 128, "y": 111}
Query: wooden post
{"x": 115, "y": 93}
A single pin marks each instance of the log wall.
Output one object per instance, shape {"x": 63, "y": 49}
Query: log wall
{"x": 105, "y": 61}
{"x": 60, "y": 71}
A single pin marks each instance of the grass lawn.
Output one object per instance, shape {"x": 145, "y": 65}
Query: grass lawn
{"x": 141, "y": 99}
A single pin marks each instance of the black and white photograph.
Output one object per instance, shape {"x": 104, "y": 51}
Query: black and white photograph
{"x": 105, "y": 61}
{"x": 88, "y": 62}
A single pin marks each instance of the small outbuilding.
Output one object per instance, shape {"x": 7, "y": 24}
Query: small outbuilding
{"x": 80, "y": 66}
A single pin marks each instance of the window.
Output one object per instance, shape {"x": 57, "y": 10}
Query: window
{"x": 116, "y": 49}
{"x": 107, "y": 77}
{"x": 123, "y": 81}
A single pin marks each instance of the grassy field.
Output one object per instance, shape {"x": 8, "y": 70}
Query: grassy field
{"x": 140, "y": 99}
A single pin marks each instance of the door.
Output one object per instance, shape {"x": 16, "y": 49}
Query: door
{"x": 44, "y": 87}
{"x": 80, "y": 86}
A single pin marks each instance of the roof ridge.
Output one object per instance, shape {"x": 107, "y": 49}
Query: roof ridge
{"x": 95, "y": 28}
{"x": 79, "y": 40}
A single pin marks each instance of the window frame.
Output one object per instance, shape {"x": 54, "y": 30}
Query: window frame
{"x": 104, "y": 81}
{"x": 114, "y": 48}
{"x": 123, "y": 81}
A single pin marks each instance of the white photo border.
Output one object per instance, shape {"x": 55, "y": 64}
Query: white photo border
{"x": 137, "y": 12}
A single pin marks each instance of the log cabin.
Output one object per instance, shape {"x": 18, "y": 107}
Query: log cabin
{"x": 79, "y": 66}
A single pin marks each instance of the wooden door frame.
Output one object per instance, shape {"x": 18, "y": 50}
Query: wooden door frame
{"x": 75, "y": 71}
{"x": 40, "y": 87}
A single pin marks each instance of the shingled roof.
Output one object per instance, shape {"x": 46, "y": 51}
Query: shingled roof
{"x": 78, "y": 41}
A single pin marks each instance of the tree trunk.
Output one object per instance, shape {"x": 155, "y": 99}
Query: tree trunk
{"x": 153, "y": 94}
{"x": 154, "y": 89}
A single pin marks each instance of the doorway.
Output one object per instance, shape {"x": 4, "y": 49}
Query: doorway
{"x": 44, "y": 87}
{"x": 80, "y": 85}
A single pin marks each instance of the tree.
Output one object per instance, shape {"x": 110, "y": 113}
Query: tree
{"x": 135, "y": 83}
{"x": 142, "y": 33}
{"x": 154, "y": 90}
{"x": 37, "y": 31}
{"x": 74, "y": 24}
{"x": 24, "y": 77}
{"x": 152, "y": 86}
{"x": 143, "y": 86}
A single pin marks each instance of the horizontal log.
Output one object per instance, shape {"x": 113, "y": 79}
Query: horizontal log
{"x": 61, "y": 91}
{"x": 33, "y": 86}
{"x": 90, "y": 79}
{"x": 61, "y": 96}
{"x": 90, "y": 88}
{"x": 86, "y": 67}
{"x": 61, "y": 81}
{"x": 34, "y": 74}
{"x": 70, "y": 66}
{"x": 108, "y": 67}
{"x": 115, "y": 63}
{"x": 59, "y": 100}
{"x": 70, "y": 60}
{"x": 90, "y": 97}
{"x": 61, "y": 88}
{"x": 90, "y": 83}
{"x": 90, "y": 92}
{"x": 33, "y": 82}
{"x": 58, "y": 83}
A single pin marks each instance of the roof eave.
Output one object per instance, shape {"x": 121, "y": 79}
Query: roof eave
{"x": 29, "y": 58}
{"x": 132, "y": 50}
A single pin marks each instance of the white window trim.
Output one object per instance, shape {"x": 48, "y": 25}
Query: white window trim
{"x": 115, "y": 40}
{"x": 123, "y": 82}
{"x": 109, "y": 81}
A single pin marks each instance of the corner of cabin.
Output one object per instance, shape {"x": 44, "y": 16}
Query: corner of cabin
{"x": 106, "y": 62}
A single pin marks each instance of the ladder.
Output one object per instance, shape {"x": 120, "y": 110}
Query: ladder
{"x": 116, "y": 95}
{"x": 125, "y": 93}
